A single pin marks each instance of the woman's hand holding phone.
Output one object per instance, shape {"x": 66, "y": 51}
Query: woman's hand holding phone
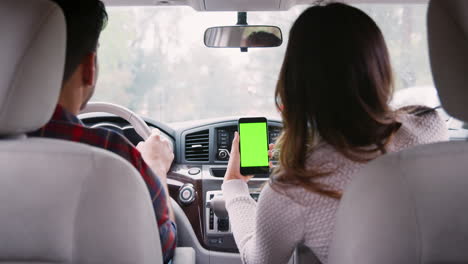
{"x": 233, "y": 169}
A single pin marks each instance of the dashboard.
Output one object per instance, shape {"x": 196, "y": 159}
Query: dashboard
{"x": 202, "y": 150}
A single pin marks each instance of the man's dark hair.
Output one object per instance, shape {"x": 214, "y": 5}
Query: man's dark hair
{"x": 263, "y": 39}
{"x": 85, "y": 21}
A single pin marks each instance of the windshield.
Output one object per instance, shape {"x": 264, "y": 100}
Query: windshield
{"x": 153, "y": 61}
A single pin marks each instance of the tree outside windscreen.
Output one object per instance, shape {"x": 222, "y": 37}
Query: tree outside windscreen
{"x": 153, "y": 60}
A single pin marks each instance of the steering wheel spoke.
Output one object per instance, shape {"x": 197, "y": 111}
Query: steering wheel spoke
{"x": 135, "y": 120}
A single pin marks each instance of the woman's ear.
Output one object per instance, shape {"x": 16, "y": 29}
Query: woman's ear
{"x": 89, "y": 68}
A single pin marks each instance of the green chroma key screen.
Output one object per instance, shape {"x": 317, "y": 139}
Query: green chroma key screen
{"x": 253, "y": 144}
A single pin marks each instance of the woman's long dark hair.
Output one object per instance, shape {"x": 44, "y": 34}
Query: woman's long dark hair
{"x": 335, "y": 84}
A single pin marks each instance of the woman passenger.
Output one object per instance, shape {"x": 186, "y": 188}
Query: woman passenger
{"x": 333, "y": 94}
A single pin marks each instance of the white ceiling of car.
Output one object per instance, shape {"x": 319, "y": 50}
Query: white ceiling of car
{"x": 239, "y": 5}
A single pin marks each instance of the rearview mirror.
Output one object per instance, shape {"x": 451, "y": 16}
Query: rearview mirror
{"x": 243, "y": 37}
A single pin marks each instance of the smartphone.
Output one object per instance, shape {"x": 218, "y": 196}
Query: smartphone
{"x": 253, "y": 146}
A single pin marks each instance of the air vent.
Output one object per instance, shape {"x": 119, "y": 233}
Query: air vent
{"x": 197, "y": 146}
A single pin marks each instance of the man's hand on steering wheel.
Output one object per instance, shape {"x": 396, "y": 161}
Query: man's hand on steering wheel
{"x": 157, "y": 153}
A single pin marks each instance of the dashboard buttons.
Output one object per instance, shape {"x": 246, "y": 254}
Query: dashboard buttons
{"x": 223, "y": 143}
{"x": 223, "y": 137}
{"x": 194, "y": 171}
{"x": 274, "y": 133}
{"x": 223, "y": 154}
{"x": 187, "y": 194}
{"x": 216, "y": 241}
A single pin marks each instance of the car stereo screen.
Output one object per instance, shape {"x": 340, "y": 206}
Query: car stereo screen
{"x": 253, "y": 144}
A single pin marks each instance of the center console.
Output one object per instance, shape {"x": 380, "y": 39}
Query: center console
{"x": 217, "y": 226}
{"x": 196, "y": 181}
{"x": 217, "y": 219}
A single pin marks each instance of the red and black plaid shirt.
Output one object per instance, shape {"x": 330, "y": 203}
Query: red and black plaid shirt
{"x": 67, "y": 126}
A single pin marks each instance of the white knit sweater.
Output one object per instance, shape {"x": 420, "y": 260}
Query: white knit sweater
{"x": 270, "y": 230}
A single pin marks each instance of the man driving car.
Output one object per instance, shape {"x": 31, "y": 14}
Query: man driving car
{"x": 85, "y": 21}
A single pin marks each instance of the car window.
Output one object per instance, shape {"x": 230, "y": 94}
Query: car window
{"x": 153, "y": 61}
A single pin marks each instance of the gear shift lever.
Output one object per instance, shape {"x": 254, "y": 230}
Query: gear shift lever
{"x": 218, "y": 206}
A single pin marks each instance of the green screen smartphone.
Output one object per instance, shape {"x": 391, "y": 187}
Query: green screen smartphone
{"x": 253, "y": 146}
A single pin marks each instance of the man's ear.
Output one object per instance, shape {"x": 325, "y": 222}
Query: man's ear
{"x": 89, "y": 69}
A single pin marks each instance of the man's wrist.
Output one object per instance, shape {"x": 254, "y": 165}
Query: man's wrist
{"x": 158, "y": 169}
{"x": 161, "y": 174}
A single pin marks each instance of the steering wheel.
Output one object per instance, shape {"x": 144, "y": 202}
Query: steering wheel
{"x": 135, "y": 120}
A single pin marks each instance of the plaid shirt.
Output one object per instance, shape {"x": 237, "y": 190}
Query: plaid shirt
{"x": 67, "y": 126}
